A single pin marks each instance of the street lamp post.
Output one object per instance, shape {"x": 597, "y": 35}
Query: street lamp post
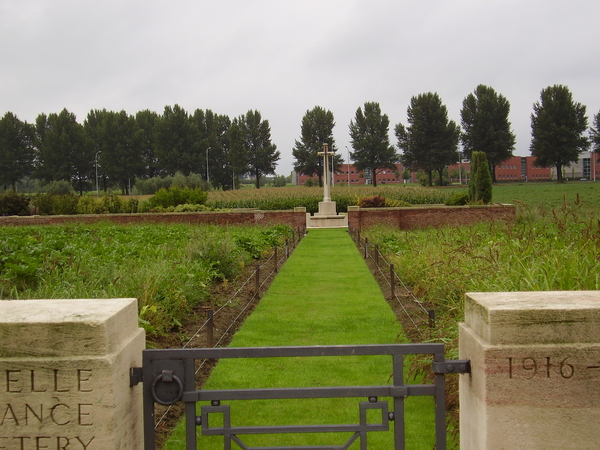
{"x": 348, "y": 164}
{"x": 97, "y": 193}
{"x": 459, "y": 171}
{"x": 207, "y": 174}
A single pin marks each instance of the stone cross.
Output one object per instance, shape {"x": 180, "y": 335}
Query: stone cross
{"x": 326, "y": 154}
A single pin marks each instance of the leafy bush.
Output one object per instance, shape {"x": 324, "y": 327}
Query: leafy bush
{"x": 13, "y": 204}
{"x": 53, "y": 204}
{"x": 176, "y": 196}
{"x": 458, "y": 198}
{"x": 153, "y": 185}
{"x": 191, "y": 208}
{"x": 60, "y": 187}
{"x": 376, "y": 201}
{"x": 107, "y": 204}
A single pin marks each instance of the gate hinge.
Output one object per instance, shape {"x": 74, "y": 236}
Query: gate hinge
{"x": 135, "y": 376}
{"x": 452, "y": 366}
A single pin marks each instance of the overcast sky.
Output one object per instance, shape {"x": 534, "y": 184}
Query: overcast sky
{"x": 283, "y": 57}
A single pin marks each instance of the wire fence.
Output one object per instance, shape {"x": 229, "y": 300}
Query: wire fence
{"x": 399, "y": 291}
{"x": 262, "y": 275}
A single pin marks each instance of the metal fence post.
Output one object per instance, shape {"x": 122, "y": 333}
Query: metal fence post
{"x": 366, "y": 248}
{"x": 377, "y": 255}
{"x": 257, "y": 283}
{"x": 431, "y": 314}
{"x": 209, "y": 329}
{"x": 392, "y": 276}
{"x": 276, "y": 260}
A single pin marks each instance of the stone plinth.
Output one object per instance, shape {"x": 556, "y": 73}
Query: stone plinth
{"x": 327, "y": 217}
{"x": 64, "y": 374}
{"x": 535, "y": 362}
{"x": 326, "y": 209}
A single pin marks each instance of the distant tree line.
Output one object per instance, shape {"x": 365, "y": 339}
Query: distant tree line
{"x": 430, "y": 141}
{"x": 115, "y": 148}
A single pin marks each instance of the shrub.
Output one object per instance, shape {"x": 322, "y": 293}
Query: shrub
{"x": 60, "y": 187}
{"x": 458, "y": 198}
{"x": 219, "y": 251}
{"x": 176, "y": 196}
{"x": 376, "y": 201}
{"x": 51, "y": 204}
{"x": 480, "y": 185}
{"x": 89, "y": 205}
{"x": 309, "y": 183}
{"x": 13, "y": 204}
{"x": 191, "y": 208}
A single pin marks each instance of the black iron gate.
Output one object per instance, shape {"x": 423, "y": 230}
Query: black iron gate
{"x": 169, "y": 377}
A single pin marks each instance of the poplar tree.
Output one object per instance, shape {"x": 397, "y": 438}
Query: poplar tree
{"x": 430, "y": 141}
{"x": 371, "y": 142}
{"x": 177, "y": 144}
{"x": 316, "y": 130}
{"x": 16, "y": 150}
{"x": 484, "y": 119}
{"x": 262, "y": 154}
{"x": 64, "y": 151}
{"x": 557, "y": 127}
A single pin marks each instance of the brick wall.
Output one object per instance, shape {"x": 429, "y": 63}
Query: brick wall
{"x": 423, "y": 217}
{"x": 358, "y": 218}
{"x": 296, "y": 219}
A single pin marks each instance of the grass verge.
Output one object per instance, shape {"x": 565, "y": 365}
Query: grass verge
{"x": 324, "y": 295}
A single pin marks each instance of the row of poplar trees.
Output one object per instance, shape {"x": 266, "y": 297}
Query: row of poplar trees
{"x": 117, "y": 148}
{"x": 429, "y": 141}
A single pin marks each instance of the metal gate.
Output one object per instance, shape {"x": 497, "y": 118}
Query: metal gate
{"x": 169, "y": 377}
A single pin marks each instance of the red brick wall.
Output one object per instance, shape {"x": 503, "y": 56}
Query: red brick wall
{"x": 423, "y": 217}
{"x": 294, "y": 219}
{"x": 358, "y": 218}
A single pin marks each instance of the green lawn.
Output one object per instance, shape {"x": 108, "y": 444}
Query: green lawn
{"x": 323, "y": 295}
{"x": 548, "y": 194}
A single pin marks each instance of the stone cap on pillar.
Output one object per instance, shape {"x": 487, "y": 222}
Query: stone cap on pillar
{"x": 524, "y": 318}
{"x": 62, "y": 328}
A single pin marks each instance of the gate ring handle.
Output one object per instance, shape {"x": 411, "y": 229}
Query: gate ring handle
{"x": 163, "y": 402}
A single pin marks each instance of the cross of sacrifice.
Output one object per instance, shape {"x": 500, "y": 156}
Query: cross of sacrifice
{"x": 326, "y": 154}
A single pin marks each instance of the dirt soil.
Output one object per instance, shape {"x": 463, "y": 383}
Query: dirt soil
{"x": 415, "y": 325}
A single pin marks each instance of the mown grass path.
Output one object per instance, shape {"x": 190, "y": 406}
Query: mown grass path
{"x": 323, "y": 295}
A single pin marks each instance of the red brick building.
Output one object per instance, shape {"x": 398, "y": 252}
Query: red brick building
{"x": 517, "y": 168}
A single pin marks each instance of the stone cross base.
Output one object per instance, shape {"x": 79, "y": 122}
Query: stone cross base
{"x": 327, "y": 217}
{"x": 326, "y": 209}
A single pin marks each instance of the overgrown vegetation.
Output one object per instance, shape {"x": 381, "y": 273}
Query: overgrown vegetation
{"x": 168, "y": 268}
{"x": 309, "y": 197}
{"x": 556, "y": 249}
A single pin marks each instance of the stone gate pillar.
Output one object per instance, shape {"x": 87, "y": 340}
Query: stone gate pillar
{"x": 64, "y": 375}
{"x": 535, "y": 371}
